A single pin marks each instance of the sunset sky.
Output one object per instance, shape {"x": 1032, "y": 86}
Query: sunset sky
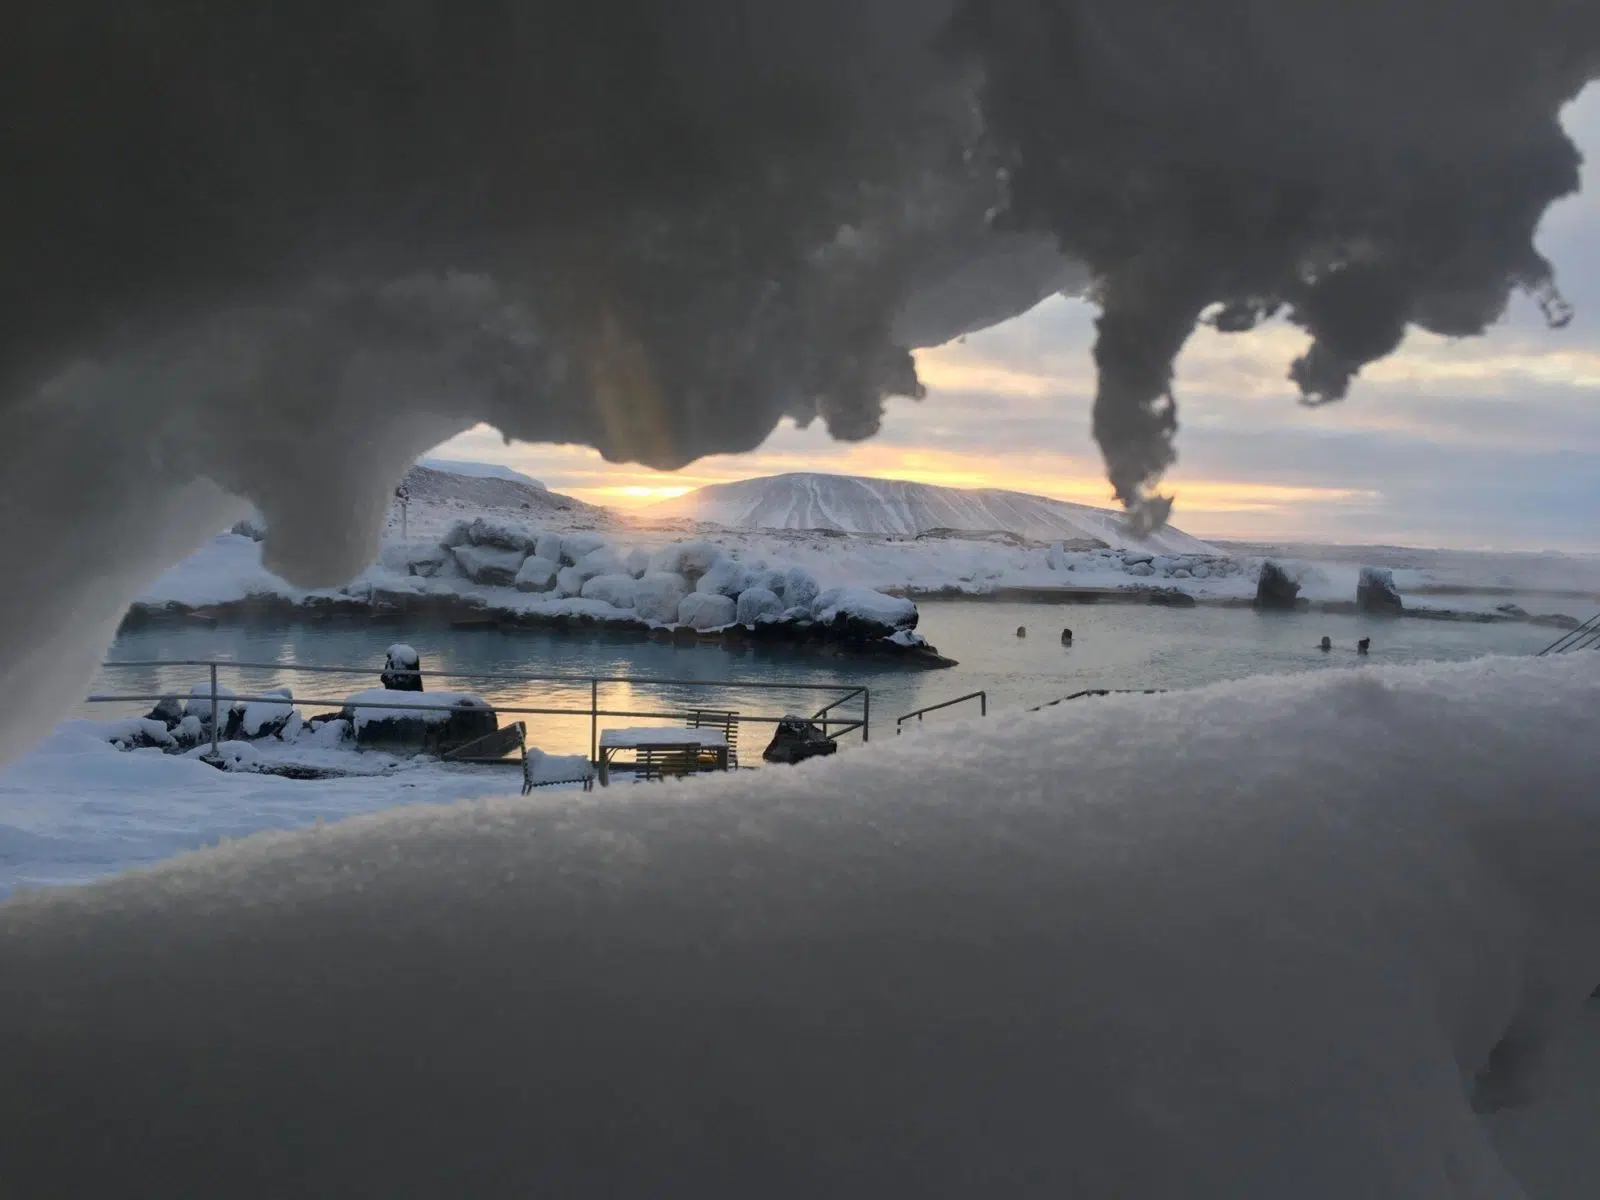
{"x": 1492, "y": 442}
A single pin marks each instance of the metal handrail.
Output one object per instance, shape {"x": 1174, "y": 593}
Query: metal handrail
{"x": 981, "y": 697}
{"x": 844, "y": 725}
{"x": 1099, "y": 692}
{"x": 1581, "y": 638}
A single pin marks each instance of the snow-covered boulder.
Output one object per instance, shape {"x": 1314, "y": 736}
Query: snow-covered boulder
{"x": 638, "y": 561}
{"x": 800, "y": 589}
{"x": 489, "y": 566}
{"x": 1376, "y": 592}
{"x": 1142, "y": 570}
{"x": 569, "y": 582}
{"x": 136, "y": 733}
{"x": 199, "y": 704}
{"x": 1275, "y": 589}
{"x": 658, "y": 596}
{"x": 253, "y": 528}
{"x": 1056, "y": 557}
{"x": 770, "y": 578}
{"x": 1135, "y": 557}
{"x": 864, "y": 612}
{"x": 232, "y": 755}
{"x": 264, "y": 718}
{"x": 726, "y": 577}
{"x": 168, "y": 711}
{"x": 705, "y": 611}
{"x": 756, "y": 605}
{"x": 576, "y": 546}
{"x": 689, "y": 559}
{"x": 601, "y": 561}
{"x": 548, "y": 546}
{"x": 459, "y": 534}
{"x": 430, "y": 562}
{"x": 537, "y": 574}
{"x": 501, "y": 536}
{"x": 445, "y": 720}
{"x": 619, "y": 591}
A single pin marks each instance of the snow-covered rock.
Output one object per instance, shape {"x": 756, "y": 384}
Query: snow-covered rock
{"x": 199, "y": 703}
{"x": 601, "y": 561}
{"x": 1376, "y": 592}
{"x": 402, "y": 668}
{"x": 1056, "y": 557}
{"x": 865, "y": 607}
{"x": 689, "y": 559}
{"x": 1275, "y": 588}
{"x": 500, "y": 535}
{"x": 537, "y": 574}
{"x": 800, "y": 588}
{"x": 658, "y": 596}
{"x": 638, "y": 561}
{"x": 264, "y": 718}
{"x": 253, "y": 528}
{"x": 489, "y": 566}
{"x": 232, "y": 755}
{"x": 726, "y": 577}
{"x": 430, "y": 562}
{"x": 569, "y": 582}
{"x": 1136, "y": 557}
{"x": 756, "y": 605}
{"x": 548, "y": 547}
{"x": 771, "y": 578}
{"x": 1142, "y": 570}
{"x": 619, "y": 591}
{"x": 459, "y": 534}
{"x": 576, "y": 546}
{"x": 706, "y": 611}
{"x": 134, "y": 733}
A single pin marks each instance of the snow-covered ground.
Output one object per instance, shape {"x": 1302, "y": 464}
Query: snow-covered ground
{"x": 75, "y": 808}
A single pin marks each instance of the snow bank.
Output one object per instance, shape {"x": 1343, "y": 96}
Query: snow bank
{"x": 1256, "y": 949}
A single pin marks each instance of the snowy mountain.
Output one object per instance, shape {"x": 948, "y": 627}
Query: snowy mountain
{"x": 478, "y": 470}
{"x": 852, "y": 504}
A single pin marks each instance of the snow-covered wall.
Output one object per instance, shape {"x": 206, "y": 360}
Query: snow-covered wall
{"x": 1257, "y": 941}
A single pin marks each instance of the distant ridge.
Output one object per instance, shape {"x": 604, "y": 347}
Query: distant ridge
{"x": 479, "y": 470}
{"x": 895, "y": 507}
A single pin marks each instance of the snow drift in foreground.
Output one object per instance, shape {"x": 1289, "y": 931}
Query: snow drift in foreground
{"x": 1270, "y": 939}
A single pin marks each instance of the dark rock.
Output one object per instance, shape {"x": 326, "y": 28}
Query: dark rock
{"x": 797, "y": 739}
{"x": 168, "y": 710}
{"x": 1172, "y": 598}
{"x": 250, "y": 527}
{"x": 1376, "y": 592}
{"x": 1275, "y": 590}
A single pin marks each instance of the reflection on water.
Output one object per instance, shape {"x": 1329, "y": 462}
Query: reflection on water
{"x": 1114, "y": 646}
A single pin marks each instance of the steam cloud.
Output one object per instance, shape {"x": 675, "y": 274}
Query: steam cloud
{"x": 711, "y": 214}
{"x": 272, "y": 250}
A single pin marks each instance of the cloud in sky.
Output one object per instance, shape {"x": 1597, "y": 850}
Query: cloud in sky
{"x": 1493, "y": 442}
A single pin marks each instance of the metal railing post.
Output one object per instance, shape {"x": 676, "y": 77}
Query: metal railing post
{"x": 216, "y": 715}
{"x": 594, "y": 720}
{"x": 866, "y": 716}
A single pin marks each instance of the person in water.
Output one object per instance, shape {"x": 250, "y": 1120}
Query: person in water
{"x": 1066, "y": 637}
{"x": 1364, "y": 645}
{"x": 1022, "y": 631}
{"x": 1327, "y": 644}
